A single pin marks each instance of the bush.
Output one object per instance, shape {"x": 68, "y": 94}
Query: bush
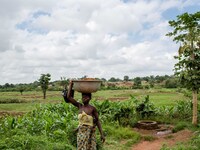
{"x": 145, "y": 109}
{"x": 12, "y": 100}
{"x": 171, "y": 83}
{"x": 180, "y": 126}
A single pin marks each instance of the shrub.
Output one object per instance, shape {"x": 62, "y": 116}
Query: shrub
{"x": 12, "y": 100}
{"x": 180, "y": 126}
{"x": 145, "y": 109}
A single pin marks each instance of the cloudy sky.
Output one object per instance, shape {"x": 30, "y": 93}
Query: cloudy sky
{"x": 97, "y": 38}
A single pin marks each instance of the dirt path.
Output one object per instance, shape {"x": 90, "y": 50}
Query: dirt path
{"x": 168, "y": 139}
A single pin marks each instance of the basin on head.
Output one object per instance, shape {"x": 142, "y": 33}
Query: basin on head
{"x": 87, "y": 85}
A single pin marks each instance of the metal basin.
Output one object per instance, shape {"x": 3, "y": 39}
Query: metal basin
{"x": 86, "y": 86}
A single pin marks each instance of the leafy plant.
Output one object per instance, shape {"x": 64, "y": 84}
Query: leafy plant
{"x": 187, "y": 32}
{"x": 145, "y": 109}
{"x": 180, "y": 126}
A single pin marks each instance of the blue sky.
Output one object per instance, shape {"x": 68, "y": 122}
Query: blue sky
{"x": 74, "y": 38}
{"x": 171, "y": 13}
{"x": 26, "y": 24}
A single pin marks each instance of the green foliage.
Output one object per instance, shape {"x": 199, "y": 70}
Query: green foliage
{"x": 181, "y": 110}
{"x": 187, "y": 32}
{"x": 148, "y": 138}
{"x": 11, "y": 100}
{"x": 186, "y": 27}
{"x": 112, "y": 79}
{"x": 126, "y": 78}
{"x": 188, "y": 69}
{"x": 58, "y": 85}
{"x": 171, "y": 83}
{"x": 120, "y": 133}
{"x": 145, "y": 109}
{"x": 21, "y": 89}
{"x": 137, "y": 82}
{"x": 122, "y": 112}
{"x": 179, "y": 126}
{"x": 44, "y": 82}
{"x": 53, "y": 126}
{"x": 63, "y": 82}
{"x": 51, "y": 121}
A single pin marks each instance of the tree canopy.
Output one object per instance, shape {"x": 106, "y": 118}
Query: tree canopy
{"x": 44, "y": 83}
{"x": 187, "y": 33}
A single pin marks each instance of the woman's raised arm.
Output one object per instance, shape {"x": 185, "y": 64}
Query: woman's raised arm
{"x": 69, "y": 96}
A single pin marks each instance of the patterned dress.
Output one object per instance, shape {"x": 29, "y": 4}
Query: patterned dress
{"x": 86, "y": 139}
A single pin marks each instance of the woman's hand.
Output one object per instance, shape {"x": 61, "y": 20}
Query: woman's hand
{"x": 103, "y": 138}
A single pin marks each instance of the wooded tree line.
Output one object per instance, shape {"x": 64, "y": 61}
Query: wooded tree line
{"x": 168, "y": 81}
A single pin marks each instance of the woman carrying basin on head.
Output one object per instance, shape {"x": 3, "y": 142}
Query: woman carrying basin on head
{"x": 88, "y": 120}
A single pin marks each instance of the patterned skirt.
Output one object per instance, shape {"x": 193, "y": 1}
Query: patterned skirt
{"x": 86, "y": 138}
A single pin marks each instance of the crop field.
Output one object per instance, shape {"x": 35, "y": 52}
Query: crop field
{"x": 14, "y": 101}
{"x": 35, "y": 123}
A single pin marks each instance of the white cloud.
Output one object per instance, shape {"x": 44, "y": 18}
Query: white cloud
{"x": 102, "y": 38}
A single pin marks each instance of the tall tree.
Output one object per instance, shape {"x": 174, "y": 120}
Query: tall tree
{"x": 44, "y": 83}
{"x": 21, "y": 89}
{"x": 126, "y": 78}
{"x": 112, "y": 79}
{"x": 137, "y": 81}
{"x": 187, "y": 33}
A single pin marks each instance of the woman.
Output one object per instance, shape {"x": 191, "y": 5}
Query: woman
{"x": 88, "y": 120}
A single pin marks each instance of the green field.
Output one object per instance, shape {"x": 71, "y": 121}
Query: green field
{"x": 29, "y": 100}
{"x": 51, "y": 122}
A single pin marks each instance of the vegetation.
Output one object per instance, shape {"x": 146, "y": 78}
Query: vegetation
{"x": 50, "y": 123}
{"x": 145, "y": 109}
{"x": 165, "y": 81}
{"x": 187, "y": 33}
{"x": 44, "y": 83}
{"x": 63, "y": 82}
{"x": 51, "y": 126}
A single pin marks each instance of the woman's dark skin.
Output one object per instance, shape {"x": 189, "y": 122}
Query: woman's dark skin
{"x": 86, "y": 107}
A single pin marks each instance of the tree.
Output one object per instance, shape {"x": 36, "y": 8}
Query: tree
{"x": 103, "y": 79}
{"x": 137, "y": 82}
{"x": 63, "y": 82}
{"x": 146, "y": 78}
{"x": 21, "y": 88}
{"x": 112, "y": 79}
{"x": 7, "y": 85}
{"x": 126, "y": 78}
{"x": 187, "y": 33}
{"x": 171, "y": 83}
{"x": 44, "y": 83}
{"x": 159, "y": 79}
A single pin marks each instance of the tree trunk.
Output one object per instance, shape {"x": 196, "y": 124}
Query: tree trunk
{"x": 44, "y": 94}
{"x": 195, "y": 106}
